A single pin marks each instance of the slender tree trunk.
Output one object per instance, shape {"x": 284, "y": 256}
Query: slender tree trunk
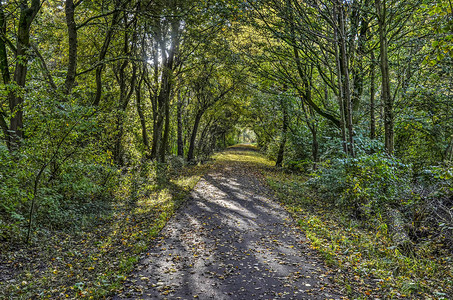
{"x": 314, "y": 145}
{"x": 27, "y": 15}
{"x": 138, "y": 98}
{"x": 311, "y": 123}
{"x": 3, "y": 53}
{"x": 358, "y": 76}
{"x": 208, "y": 129}
{"x": 372, "y": 98}
{"x": 180, "y": 129}
{"x": 157, "y": 134}
{"x": 340, "y": 85}
{"x": 4, "y": 68}
{"x": 281, "y": 150}
{"x": 72, "y": 43}
{"x": 161, "y": 130}
{"x": 163, "y": 148}
{"x": 346, "y": 81}
{"x": 384, "y": 64}
{"x": 196, "y": 123}
{"x": 161, "y": 97}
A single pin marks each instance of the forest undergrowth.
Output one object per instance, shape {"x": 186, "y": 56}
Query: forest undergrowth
{"x": 93, "y": 260}
{"x": 369, "y": 262}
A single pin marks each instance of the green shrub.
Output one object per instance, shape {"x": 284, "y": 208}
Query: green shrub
{"x": 13, "y": 194}
{"x": 367, "y": 182}
{"x": 302, "y": 165}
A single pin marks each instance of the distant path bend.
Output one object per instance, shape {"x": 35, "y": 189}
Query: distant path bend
{"x": 230, "y": 241}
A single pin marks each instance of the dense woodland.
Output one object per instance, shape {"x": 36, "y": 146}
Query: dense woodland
{"x": 101, "y": 96}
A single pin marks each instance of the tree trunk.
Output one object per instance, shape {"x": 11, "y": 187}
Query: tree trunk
{"x": 163, "y": 148}
{"x": 157, "y": 134}
{"x": 314, "y": 147}
{"x": 340, "y": 85}
{"x": 126, "y": 92}
{"x": 196, "y": 123}
{"x": 372, "y": 100}
{"x": 4, "y": 68}
{"x": 346, "y": 82}
{"x": 384, "y": 64}
{"x": 138, "y": 98}
{"x": 72, "y": 44}
{"x": 122, "y": 107}
{"x": 358, "y": 76}
{"x": 161, "y": 130}
{"x": 180, "y": 129}
{"x": 311, "y": 124}
{"x": 27, "y": 15}
{"x": 281, "y": 150}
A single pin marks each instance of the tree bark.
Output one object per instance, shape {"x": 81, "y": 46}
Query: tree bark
{"x": 281, "y": 150}
{"x": 384, "y": 65}
{"x": 340, "y": 85}
{"x": 174, "y": 36}
{"x": 4, "y": 68}
{"x": 345, "y": 80}
{"x": 123, "y": 103}
{"x": 180, "y": 128}
{"x": 27, "y": 15}
{"x": 163, "y": 148}
{"x": 358, "y": 73}
{"x": 196, "y": 123}
{"x": 138, "y": 98}
{"x": 6, "y": 76}
{"x": 311, "y": 123}
{"x": 125, "y": 91}
{"x": 372, "y": 99}
{"x": 72, "y": 44}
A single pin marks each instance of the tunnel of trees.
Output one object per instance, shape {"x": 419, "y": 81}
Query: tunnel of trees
{"x": 356, "y": 93}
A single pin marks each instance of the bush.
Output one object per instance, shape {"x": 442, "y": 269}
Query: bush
{"x": 13, "y": 194}
{"x": 302, "y": 165}
{"x": 366, "y": 183}
{"x": 72, "y": 188}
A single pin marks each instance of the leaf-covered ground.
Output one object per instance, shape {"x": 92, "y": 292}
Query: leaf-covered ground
{"x": 231, "y": 241}
{"x": 369, "y": 265}
{"x": 94, "y": 261}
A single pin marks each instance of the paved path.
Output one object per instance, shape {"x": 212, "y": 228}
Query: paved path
{"x": 230, "y": 241}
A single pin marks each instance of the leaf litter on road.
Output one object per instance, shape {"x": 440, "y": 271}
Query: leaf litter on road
{"x": 231, "y": 240}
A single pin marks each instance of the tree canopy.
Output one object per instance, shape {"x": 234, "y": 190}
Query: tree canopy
{"x": 91, "y": 90}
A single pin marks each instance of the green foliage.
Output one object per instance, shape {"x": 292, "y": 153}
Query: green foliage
{"x": 13, "y": 196}
{"x": 73, "y": 175}
{"x": 373, "y": 181}
{"x": 439, "y": 178}
{"x": 95, "y": 260}
{"x": 298, "y": 165}
{"x": 362, "y": 249}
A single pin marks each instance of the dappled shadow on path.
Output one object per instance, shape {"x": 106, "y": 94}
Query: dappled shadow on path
{"x": 230, "y": 241}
